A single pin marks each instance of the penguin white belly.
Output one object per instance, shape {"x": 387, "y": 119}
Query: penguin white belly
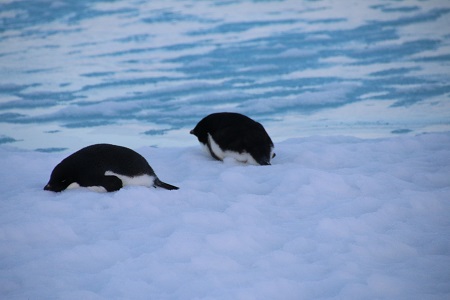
{"x": 243, "y": 157}
{"x": 98, "y": 189}
{"x": 143, "y": 180}
{"x": 73, "y": 185}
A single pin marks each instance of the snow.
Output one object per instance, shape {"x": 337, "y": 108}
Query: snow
{"x": 332, "y": 218}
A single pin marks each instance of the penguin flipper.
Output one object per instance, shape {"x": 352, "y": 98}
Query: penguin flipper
{"x": 111, "y": 183}
{"x": 159, "y": 183}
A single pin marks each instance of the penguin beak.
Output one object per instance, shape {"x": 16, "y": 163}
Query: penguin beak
{"x": 47, "y": 187}
{"x": 192, "y": 132}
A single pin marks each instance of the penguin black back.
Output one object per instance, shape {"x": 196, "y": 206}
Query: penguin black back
{"x": 105, "y": 165}
{"x": 236, "y": 135}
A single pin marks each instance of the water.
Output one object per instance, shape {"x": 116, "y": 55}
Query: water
{"x": 145, "y": 72}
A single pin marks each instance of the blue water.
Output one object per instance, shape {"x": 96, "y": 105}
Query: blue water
{"x": 144, "y": 72}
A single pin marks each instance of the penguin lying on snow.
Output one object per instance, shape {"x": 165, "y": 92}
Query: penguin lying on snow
{"x": 104, "y": 166}
{"x": 234, "y": 135}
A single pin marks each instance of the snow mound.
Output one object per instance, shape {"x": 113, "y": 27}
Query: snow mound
{"x": 332, "y": 218}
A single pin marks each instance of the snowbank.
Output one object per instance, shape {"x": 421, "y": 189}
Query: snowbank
{"x": 333, "y": 217}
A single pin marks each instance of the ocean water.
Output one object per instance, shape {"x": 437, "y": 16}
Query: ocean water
{"x": 145, "y": 72}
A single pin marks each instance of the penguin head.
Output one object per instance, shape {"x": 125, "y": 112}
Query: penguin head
{"x": 200, "y": 132}
{"x": 262, "y": 156}
{"x": 60, "y": 179}
{"x": 209, "y": 125}
{"x": 260, "y": 147}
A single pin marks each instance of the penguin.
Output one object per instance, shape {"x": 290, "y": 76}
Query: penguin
{"x": 104, "y": 167}
{"x": 228, "y": 134}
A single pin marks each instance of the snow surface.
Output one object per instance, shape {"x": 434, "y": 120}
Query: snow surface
{"x": 332, "y": 218}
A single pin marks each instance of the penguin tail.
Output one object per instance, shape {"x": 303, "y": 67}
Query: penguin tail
{"x": 164, "y": 185}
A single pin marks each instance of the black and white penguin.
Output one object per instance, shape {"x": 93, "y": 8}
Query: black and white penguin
{"x": 234, "y": 135}
{"x": 103, "y": 167}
